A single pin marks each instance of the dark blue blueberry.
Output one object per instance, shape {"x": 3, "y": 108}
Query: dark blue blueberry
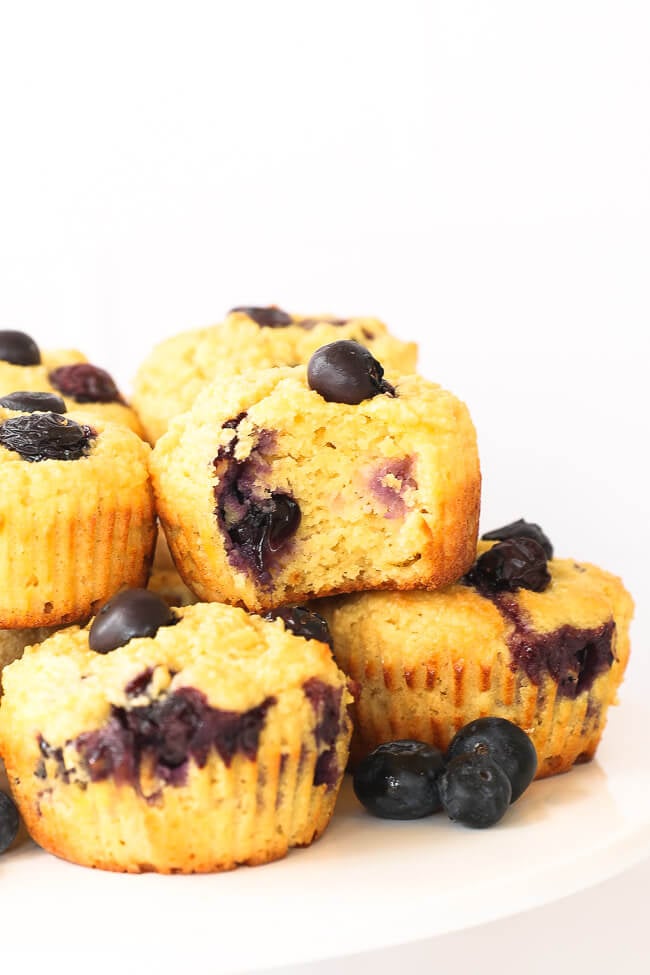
{"x": 265, "y": 528}
{"x": 18, "y": 348}
{"x": 9, "y": 821}
{"x": 46, "y": 436}
{"x": 85, "y": 383}
{"x": 346, "y": 372}
{"x": 474, "y": 791}
{"x": 517, "y": 563}
{"x": 521, "y": 529}
{"x": 399, "y": 780}
{"x": 269, "y": 317}
{"x": 132, "y": 613}
{"x": 303, "y": 622}
{"x": 28, "y": 402}
{"x": 502, "y": 741}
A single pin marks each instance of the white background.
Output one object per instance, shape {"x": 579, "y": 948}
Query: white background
{"x": 476, "y": 174}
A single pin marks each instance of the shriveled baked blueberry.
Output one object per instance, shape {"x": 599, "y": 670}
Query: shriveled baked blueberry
{"x": 346, "y": 372}
{"x": 517, "y": 563}
{"x": 131, "y": 613}
{"x": 18, "y": 348}
{"x": 521, "y": 529}
{"x": 399, "y": 780}
{"x": 309, "y": 323}
{"x": 9, "y": 821}
{"x": 85, "y": 383}
{"x": 303, "y": 622}
{"x": 25, "y": 401}
{"x": 46, "y": 436}
{"x": 269, "y": 317}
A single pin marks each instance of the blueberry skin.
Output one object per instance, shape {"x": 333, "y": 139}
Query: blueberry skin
{"x": 502, "y": 741}
{"x": 269, "y": 317}
{"x": 9, "y": 821}
{"x": 516, "y": 563}
{"x": 521, "y": 529}
{"x": 131, "y": 613}
{"x": 24, "y": 401}
{"x": 474, "y": 791}
{"x": 302, "y": 622}
{"x": 18, "y": 348}
{"x": 399, "y": 780}
{"x": 346, "y": 372}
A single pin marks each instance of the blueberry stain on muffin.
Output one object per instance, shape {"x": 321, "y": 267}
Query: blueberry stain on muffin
{"x": 326, "y": 703}
{"x": 26, "y": 401}
{"x": 162, "y": 736}
{"x": 46, "y": 436}
{"x": 85, "y": 383}
{"x": 346, "y": 372}
{"x": 18, "y": 348}
{"x": 390, "y": 481}
{"x": 570, "y": 656}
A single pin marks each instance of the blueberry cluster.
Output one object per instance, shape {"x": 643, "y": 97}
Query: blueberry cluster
{"x": 488, "y": 765}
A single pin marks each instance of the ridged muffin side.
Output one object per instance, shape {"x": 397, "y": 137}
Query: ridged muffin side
{"x": 424, "y": 664}
{"x": 261, "y": 715}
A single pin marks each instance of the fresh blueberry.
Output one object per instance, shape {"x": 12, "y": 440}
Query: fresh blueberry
{"x": 505, "y": 743}
{"x": 399, "y": 780}
{"x": 18, "y": 348}
{"x": 303, "y": 622}
{"x": 29, "y": 402}
{"x": 521, "y": 529}
{"x": 517, "y": 563}
{"x": 132, "y": 613}
{"x": 46, "y": 436}
{"x": 9, "y": 821}
{"x": 346, "y": 372}
{"x": 474, "y": 790}
{"x": 85, "y": 383}
{"x": 269, "y": 317}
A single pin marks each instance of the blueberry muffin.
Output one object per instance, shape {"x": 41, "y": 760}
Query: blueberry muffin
{"x": 179, "y": 741}
{"x": 13, "y": 643}
{"x": 541, "y": 643}
{"x": 77, "y": 520}
{"x": 65, "y": 372}
{"x": 178, "y": 369}
{"x": 289, "y": 483}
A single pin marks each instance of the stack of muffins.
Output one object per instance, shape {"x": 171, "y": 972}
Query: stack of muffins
{"x": 303, "y": 475}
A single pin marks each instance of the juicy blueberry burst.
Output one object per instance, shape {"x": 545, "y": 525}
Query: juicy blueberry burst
{"x": 9, "y": 821}
{"x": 475, "y": 791}
{"x": 399, "y": 780}
{"x": 132, "y": 613}
{"x": 346, "y": 372}
{"x": 505, "y": 743}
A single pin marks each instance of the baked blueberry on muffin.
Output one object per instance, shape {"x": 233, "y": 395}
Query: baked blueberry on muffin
{"x": 541, "y": 642}
{"x": 77, "y": 520}
{"x": 178, "y": 369}
{"x": 284, "y": 484}
{"x": 176, "y": 740}
{"x": 24, "y": 368}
